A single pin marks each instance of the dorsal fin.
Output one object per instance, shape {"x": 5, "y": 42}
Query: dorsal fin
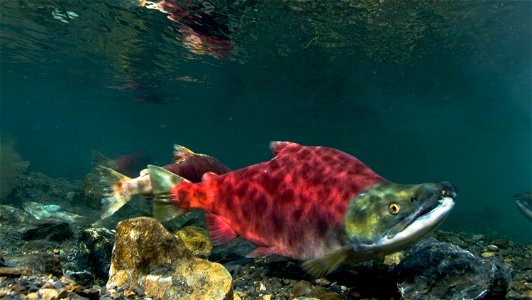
{"x": 144, "y": 172}
{"x": 208, "y": 176}
{"x": 181, "y": 153}
{"x": 278, "y": 146}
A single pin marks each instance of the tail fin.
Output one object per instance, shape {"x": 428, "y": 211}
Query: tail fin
{"x": 115, "y": 196}
{"x": 98, "y": 159}
{"x": 162, "y": 182}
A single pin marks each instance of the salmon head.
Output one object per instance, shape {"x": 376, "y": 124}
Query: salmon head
{"x": 389, "y": 216}
{"x": 384, "y": 219}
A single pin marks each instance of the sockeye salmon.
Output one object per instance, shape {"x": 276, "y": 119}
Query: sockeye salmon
{"x": 309, "y": 203}
{"x": 524, "y": 203}
{"x": 119, "y": 189}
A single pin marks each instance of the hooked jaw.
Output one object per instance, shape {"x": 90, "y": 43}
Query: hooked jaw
{"x": 421, "y": 225}
{"x": 422, "y": 208}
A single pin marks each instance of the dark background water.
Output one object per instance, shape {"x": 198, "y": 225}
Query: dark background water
{"x": 419, "y": 92}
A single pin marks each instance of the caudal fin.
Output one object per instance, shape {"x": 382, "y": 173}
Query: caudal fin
{"x": 162, "y": 182}
{"x": 115, "y": 195}
{"x": 98, "y": 159}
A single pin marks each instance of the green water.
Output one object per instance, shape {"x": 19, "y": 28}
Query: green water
{"x": 419, "y": 92}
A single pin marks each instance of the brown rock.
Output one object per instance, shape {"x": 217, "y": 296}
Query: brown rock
{"x": 197, "y": 240}
{"x": 306, "y": 290}
{"x": 14, "y": 272}
{"x": 147, "y": 257}
{"x": 48, "y": 294}
{"x": 38, "y": 263}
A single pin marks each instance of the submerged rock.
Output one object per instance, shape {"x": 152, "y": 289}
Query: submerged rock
{"x": 304, "y": 289}
{"x": 98, "y": 246}
{"x": 53, "y": 230}
{"x": 147, "y": 257}
{"x": 436, "y": 270}
{"x": 38, "y": 263}
{"x": 12, "y": 215}
{"x": 196, "y": 240}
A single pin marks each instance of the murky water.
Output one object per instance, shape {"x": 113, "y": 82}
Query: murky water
{"x": 419, "y": 92}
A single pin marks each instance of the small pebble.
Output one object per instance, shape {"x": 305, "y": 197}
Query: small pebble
{"x": 487, "y": 254}
{"x": 262, "y": 287}
{"x": 503, "y": 244}
{"x": 477, "y": 237}
{"x": 394, "y": 258}
{"x": 129, "y": 293}
{"x": 238, "y": 295}
{"x": 301, "y": 288}
{"x": 343, "y": 288}
{"x": 62, "y": 294}
{"x": 48, "y": 294}
{"x": 492, "y": 247}
{"x": 323, "y": 282}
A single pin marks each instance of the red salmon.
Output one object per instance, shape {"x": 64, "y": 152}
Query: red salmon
{"x": 308, "y": 203}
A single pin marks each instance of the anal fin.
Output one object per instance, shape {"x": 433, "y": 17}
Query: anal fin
{"x": 219, "y": 231}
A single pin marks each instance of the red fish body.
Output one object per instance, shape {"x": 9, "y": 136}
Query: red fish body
{"x": 292, "y": 205}
{"x": 192, "y": 165}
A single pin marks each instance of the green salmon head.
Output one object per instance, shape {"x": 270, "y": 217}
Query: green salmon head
{"x": 389, "y": 216}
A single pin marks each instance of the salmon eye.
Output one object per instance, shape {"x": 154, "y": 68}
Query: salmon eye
{"x": 394, "y": 208}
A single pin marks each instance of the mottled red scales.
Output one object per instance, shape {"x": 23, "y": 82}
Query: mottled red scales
{"x": 292, "y": 205}
{"x": 193, "y": 166}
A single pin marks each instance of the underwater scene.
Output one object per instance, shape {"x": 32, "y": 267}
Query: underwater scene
{"x": 285, "y": 149}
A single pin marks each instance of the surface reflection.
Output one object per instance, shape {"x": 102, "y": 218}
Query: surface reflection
{"x": 203, "y": 30}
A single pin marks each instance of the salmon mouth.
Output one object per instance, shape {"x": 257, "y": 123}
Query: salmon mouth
{"x": 430, "y": 209}
{"x": 431, "y": 212}
{"x": 425, "y": 219}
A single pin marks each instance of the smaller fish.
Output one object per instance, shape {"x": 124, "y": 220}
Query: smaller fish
{"x": 119, "y": 188}
{"x": 524, "y": 203}
{"x": 126, "y": 164}
{"x": 50, "y": 211}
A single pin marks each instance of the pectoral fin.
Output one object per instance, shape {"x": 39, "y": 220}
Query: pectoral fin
{"x": 166, "y": 211}
{"x": 324, "y": 265}
{"x": 219, "y": 231}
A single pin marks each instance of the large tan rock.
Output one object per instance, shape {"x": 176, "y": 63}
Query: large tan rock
{"x": 196, "y": 240}
{"x": 148, "y": 257}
